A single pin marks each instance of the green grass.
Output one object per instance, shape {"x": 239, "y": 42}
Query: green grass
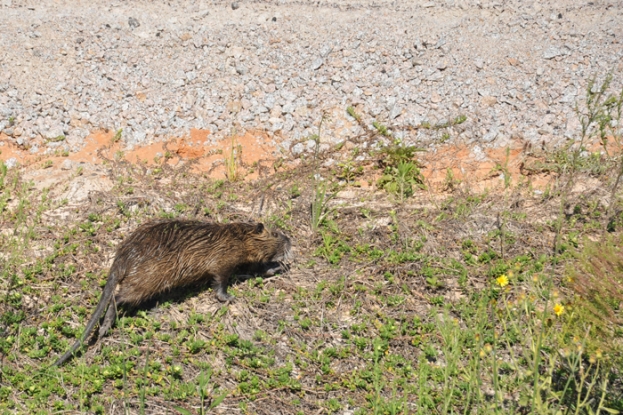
{"x": 399, "y": 322}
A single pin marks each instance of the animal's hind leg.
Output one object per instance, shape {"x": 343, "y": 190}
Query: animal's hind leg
{"x": 109, "y": 319}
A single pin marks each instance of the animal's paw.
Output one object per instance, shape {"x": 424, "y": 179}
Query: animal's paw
{"x": 224, "y": 297}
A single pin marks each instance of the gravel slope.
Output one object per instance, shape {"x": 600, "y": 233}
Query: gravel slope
{"x": 514, "y": 68}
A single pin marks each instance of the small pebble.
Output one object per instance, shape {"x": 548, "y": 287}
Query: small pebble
{"x": 66, "y": 164}
{"x": 133, "y": 23}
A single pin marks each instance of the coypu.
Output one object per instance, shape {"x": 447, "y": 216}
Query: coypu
{"x": 167, "y": 254}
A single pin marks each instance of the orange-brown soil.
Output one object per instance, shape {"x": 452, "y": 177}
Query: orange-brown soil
{"x": 249, "y": 151}
{"x": 482, "y": 169}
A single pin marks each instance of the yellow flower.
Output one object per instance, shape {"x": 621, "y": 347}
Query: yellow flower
{"x": 502, "y": 280}
{"x": 485, "y": 350}
{"x": 559, "y": 309}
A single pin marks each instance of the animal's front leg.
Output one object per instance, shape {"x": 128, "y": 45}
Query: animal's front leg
{"x": 220, "y": 288}
{"x": 270, "y": 272}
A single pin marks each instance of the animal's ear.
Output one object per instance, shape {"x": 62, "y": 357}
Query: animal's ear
{"x": 259, "y": 228}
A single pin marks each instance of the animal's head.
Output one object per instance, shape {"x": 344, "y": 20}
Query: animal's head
{"x": 271, "y": 246}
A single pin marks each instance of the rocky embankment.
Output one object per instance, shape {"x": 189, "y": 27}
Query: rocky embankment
{"x": 158, "y": 71}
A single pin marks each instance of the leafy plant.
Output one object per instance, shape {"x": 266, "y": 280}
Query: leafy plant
{"x": 320, "y": 205}
{"x": 117, "y": 137}
{"x": 395, "y": 152}
{"x": 349, "y": 170}
{"x": 609, "y": 120}
{"x": 402, "y": 179}
{"x": 382, "y": 129}
{"x": 595, "y": 119}
{"x": 319, "y": 208}
{"x": 202, "y": 381}
{"x": 351, "y": 111}
{"x": 401, "y": 174}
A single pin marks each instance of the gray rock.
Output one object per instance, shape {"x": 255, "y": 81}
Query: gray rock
{"x": 55, "y": 133}
{"x": 269, "y": 101}
{"x": 133, "y": 23}
{"x": 317, "y": 63}
{"x": 276, "y": 124}
{"x": 325, "y": 51}
{"x": 139, "y": 137}
{"x": 395, "y": 112}
{"x": 490, "y": 136}
{"x": 569, "y": 97}
{"x": 298, "y": 149}
{"x": 436, "y": 76}
{"x": 390, "y": 102}
{"x": 66, "y": 164}
{"x": 235, "y": 6}
{"x": 310, "y": 145}
{"x": 478, "y": 154}
{"x": 552, "y": 52}
{"x": 287, "y": 109}
{"x": 10, "y": 163}
{"x": 247, "y": 116}
{"x": 80, "y": 187}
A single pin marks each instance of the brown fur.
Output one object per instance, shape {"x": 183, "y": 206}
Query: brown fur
{"x": 167, "y": 254}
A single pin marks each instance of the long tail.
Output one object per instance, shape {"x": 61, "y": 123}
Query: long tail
{"x": 107, "y": 294}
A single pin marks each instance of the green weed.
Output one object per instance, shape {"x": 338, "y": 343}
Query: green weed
{"x": 232, "y": 161}
{"x": 401, "y": 174}
{"x": 117, "y": 137}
